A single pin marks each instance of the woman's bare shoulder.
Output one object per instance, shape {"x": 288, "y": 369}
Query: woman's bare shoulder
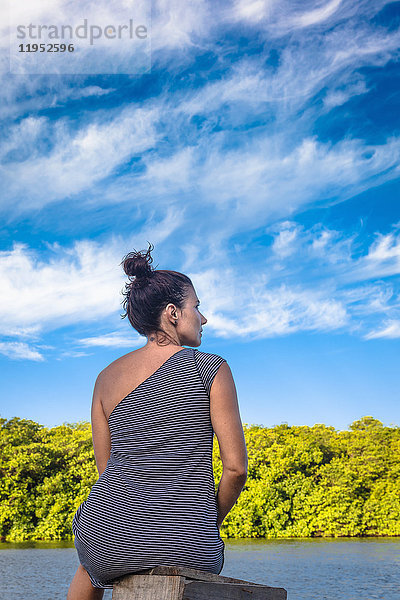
{"x": 117, "y": 367}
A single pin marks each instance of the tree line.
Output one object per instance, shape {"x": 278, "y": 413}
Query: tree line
{"x": 302, "y": 481}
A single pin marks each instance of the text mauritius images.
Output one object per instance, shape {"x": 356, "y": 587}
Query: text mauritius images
{"x": 83, "y": 31}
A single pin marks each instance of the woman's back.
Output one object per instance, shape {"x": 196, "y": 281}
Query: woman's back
{"x": 154, "y": 502}
{"x": 157, "y": 493}
{"x": 128, "y": 372}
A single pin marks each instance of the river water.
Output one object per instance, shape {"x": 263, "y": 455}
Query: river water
{"x": 309, "y": 569}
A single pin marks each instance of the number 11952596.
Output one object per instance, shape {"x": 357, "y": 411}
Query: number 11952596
{"x": 46, "y": 48}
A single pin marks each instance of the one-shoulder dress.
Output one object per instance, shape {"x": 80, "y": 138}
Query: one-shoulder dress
{"x": 155, "y": 503}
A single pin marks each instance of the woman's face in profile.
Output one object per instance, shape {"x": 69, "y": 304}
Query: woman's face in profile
{"x": 191, "y": 321}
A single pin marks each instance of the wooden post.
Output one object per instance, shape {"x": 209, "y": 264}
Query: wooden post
{"x": 176, "y": 583}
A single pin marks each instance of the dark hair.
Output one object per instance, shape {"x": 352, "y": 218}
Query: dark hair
{"x": 149, "y": 291}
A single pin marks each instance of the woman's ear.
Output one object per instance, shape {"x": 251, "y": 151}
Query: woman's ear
{"x": 171, "y": 311}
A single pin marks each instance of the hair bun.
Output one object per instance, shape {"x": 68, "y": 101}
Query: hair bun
{"x": 137, "y": 264}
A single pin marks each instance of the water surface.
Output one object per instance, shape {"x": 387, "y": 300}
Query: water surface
{"x": 309, "y": 569}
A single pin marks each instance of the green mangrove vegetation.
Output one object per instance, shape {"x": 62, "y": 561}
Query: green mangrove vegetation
{"x": 302, "y": 481}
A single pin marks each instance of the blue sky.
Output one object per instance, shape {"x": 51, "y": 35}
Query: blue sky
{"x": 260, "y": 156}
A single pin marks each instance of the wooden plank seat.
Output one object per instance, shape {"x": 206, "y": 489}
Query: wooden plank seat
{"x": 176, "y": 583}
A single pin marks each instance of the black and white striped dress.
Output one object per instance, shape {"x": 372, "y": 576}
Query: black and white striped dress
{"x": 155, "y": 502}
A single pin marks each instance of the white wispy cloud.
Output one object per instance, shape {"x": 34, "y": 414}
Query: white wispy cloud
{"x": 381, "y": 260}
{"x": 50, "y": 291}
{"x": 246, "y": 306}
{"x": 234, "y": 153}
{"x": 73, "y": 354}
{"x": 20, "y": 351}
{"x": 43, "y": 291}
{"x": 284, "y": 243}
{"x": 338, "y": 250}
{"x": 284, "y": 310}
{"x": 294, "y": 244}
{"x": 282, "y": 170}
{"x": 177, "y": 25}
{"x": 341, "y": 94}
{"x": 28, "y": 95}
{"x": 90, "y": 90}
{"x": 112, "y": 340}
{"x": 334, "y": 261}
{"x": 386, "y": 249}
{"x": 317, "y": 15}
{"x": 77, "y": 160}
{"x": 82, "y": 283}
{"x": 391, "y": 330}
{"x": 278, "y": 18}
{"x": 272, "y": 182}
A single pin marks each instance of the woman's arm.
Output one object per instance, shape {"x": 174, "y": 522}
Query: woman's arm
{"x": 100, "y": 431}
{"x": 226, "y": 422}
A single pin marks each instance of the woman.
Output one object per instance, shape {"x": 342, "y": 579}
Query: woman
{"x": 154, "y": 414}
